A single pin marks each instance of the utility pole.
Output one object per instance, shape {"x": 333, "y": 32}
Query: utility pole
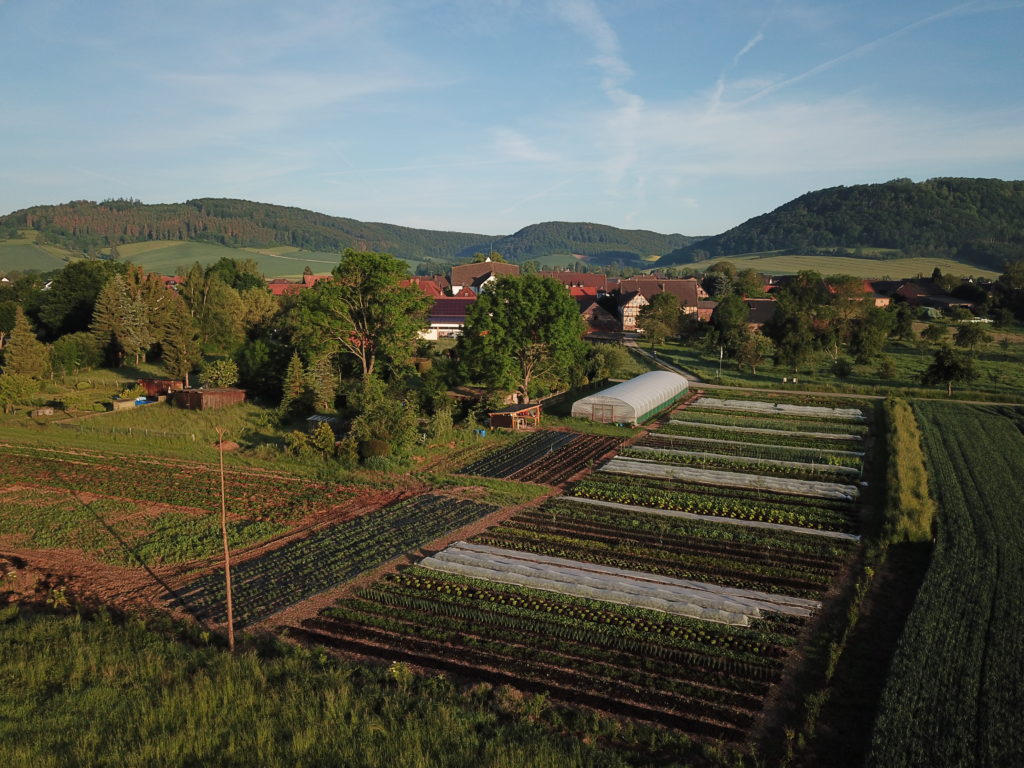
{"x": 224, "y": 533}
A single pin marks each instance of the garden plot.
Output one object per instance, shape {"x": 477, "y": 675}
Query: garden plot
{"x": 506, "y": 461}
{"x": 300, "y": 569}
{"x": 760, "y": 407}
{"x": 702, "y": 678}
{"x": 694, "y": 414}
{"x": 643, "y": 468}
{"x": 544, "y": 457}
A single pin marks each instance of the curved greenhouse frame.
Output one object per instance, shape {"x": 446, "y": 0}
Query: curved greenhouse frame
{"x": 634, "y": 401}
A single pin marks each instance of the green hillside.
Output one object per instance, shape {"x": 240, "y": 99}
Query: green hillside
{"x": 775, "y": 263}
{"x": 83, "y": 227}
{"x": 974, "y": 221}
{"x": 19, "y": 256}
{"x": 168, "y": 257}
{"x": 600, "y": 244}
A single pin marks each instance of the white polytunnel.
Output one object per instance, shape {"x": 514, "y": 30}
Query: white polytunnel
{"x": 634, "y": 401}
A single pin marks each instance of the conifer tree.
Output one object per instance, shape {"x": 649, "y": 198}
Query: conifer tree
{"x": 24, "y": 353}
{"x": 180, "y": 344}
{"x": 294, "y": 385}
{"x": 323, "y": 382}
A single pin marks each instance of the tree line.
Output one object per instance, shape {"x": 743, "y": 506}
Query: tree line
{"x": 348, "y": 345}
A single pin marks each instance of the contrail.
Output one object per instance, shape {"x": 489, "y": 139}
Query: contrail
{"x": 866, "y": 47}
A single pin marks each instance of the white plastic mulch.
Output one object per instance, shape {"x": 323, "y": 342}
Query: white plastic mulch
{"x": 695, "y": 599}
{"x": 643, "y": 468}
{"x": 757, "y": 406}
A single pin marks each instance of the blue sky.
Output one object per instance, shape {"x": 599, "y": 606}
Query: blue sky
{"x": 485, "y": 116}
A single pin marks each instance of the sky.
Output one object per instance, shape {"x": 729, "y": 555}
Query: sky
{"x": 485, "y": 116}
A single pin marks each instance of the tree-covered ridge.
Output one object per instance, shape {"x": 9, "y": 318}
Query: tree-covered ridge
{"x": 976, "y": 220}
{"x": 599, "y": 242}
{"x": 87, "y": 226}
{"x": 83, "y": 225}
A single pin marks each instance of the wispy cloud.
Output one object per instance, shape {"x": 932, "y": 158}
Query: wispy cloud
{"x": 973, "y": 6}
{"x": 621, "y": 126}
{"x": 719, "y": 89}
{"x": 515, "y": 146}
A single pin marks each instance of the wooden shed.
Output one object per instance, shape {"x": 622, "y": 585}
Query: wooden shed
{"x": 157, "y": 387}
{"x": 206, "y": 399}
{"x": 516, "y": 417}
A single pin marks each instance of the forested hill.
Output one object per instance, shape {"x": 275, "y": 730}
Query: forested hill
{"x": 84, "y": 226}
{"x": 601, "y": 244}
{"x": 87, "y": 226}
{"x": 979, "y": 221}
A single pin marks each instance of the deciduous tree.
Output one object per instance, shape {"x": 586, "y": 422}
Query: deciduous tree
{"x": 362, "y": 312}
{"x": 950, "y": 365}
{"x": 521, "y": 331}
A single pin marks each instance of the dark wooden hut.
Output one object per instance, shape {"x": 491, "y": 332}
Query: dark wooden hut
{"x": 205, "y": 399}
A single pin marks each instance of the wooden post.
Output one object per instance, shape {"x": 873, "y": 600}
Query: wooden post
{"x": 224, "y": 533}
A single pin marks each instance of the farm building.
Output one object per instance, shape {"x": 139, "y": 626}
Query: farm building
{"x": 157, "y": 387}
{"x": 207, "y": 399}
{"x": 516, "y": 417}
{"x": 634, "y": 401}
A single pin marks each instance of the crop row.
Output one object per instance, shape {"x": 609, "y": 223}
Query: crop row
{"x": 954, "y": 694}
{"x": 750, "y": 450}
{"x": 775, "y": 421}
{"x": 698, "y": 459}
{"x": 695, "y": 535}
{"x": 188, "y": 485}
{"x": 668, "y": 555}
{"x": 570, "y": 459}
{"x": 702, "y": 678}
{"x": 685, "y": 675}
{"x": 302, "y": 568}
{"x": 506, "y": 461}
{"x": 747, "y": 435}
{"x": 622, "y": 490}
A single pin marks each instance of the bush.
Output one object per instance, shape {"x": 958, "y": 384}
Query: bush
{"x": 219, "y": 374}
{"x": 130, "y": 393}
{"x": 842, "y": 368}
{"x": 370, "y": 449}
